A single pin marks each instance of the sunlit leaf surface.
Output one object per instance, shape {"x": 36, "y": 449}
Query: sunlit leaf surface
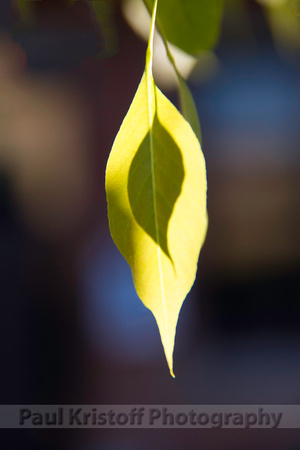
{"x": 156, "y": 194}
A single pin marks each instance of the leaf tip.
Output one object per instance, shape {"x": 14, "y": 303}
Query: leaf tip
{"x": 170, "y": 365}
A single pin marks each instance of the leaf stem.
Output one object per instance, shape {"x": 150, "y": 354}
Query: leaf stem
{"x": 149, "y": 54}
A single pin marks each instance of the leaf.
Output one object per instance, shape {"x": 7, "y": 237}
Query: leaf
{"x": 188, "y": 107}
{"x": 192, "y": 25}
{"x": 156, "y": 194}
{"x": 187, "y": 104}
{"x": 285, "y": 25}
{"x": 104, "y": 12}
{"x": 26, "y": 11}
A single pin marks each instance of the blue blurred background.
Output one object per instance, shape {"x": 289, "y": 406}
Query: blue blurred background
{"x": 72, "y": 329}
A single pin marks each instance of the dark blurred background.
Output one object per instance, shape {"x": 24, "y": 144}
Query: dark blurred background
{"x": 72, "y": 330}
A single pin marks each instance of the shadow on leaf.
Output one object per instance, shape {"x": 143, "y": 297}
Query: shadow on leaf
{"x": 155, "y": 180}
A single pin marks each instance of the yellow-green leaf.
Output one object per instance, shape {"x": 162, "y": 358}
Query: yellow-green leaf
{"x": 156, "y": 194}
{"x": 187, "y": 104}
{"x": 192, "y": 25}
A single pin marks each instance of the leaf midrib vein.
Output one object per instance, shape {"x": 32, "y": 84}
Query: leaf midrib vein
{"x": 151, "y": 92}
